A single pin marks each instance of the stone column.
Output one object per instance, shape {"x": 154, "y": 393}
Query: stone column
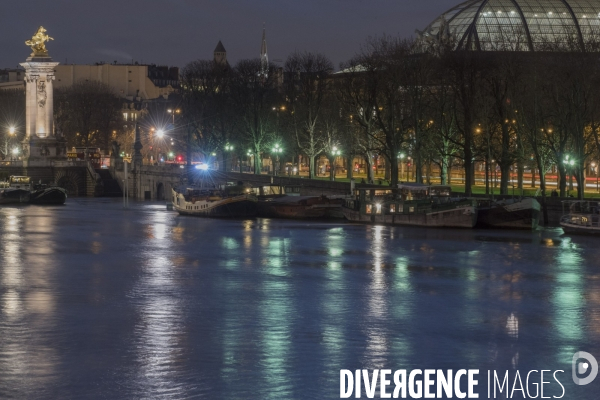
{"x": 40, "y": 146}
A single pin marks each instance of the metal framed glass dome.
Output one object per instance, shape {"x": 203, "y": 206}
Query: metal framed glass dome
{"x": 518, "y": 25}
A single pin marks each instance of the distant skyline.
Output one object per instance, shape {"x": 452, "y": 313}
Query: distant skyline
{"x": 179, "y": 31}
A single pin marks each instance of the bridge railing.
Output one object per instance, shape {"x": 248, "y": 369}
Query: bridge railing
{"x": 70, "y": 163}
{"x": 11, "y": 163}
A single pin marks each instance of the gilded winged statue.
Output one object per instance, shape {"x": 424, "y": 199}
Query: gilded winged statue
{"x": 37, "y": 43}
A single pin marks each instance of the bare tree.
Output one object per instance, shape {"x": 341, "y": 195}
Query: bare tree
{"x": 306, "y": 86}
{"x": 253, "y": 95}
{"x": 87, "y": 113}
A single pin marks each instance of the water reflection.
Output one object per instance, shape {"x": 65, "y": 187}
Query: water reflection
{"x": 103, "y": 303}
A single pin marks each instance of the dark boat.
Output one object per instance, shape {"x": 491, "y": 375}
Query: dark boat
{"x": 299, "y": 207}
{"x": 583, "y": 218}
{"x": 411, "y": 204}
{"x": 509, "y": 213}
{"x": 230, "y": 202}
{"x": 13, "y": 196}
{"x": 52, "y": 195}
{"x": 18, "y": 190}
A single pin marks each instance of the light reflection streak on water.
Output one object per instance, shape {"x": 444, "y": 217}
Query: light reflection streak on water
{"x": 377, "y": 304}
{"x": 28, "y": 304}
{"x": 277, "y": 311}
{"x": 160, "y": 318}
{"x": 402, "y": 310}
{"x": 568, "y": 297}
{"x": 334, "y": 299}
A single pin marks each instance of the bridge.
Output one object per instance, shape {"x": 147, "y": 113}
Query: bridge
{"x": 153, "y": 182}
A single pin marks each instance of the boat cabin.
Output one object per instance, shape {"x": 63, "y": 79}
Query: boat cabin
{"x": 20, "y": 182}
{"x": 406, "y": 199}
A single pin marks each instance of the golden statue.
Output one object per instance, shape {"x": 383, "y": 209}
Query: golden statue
{"x": 37, "y": 43}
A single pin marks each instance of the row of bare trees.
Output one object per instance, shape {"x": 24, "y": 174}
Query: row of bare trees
{"x": 506, "y": 110}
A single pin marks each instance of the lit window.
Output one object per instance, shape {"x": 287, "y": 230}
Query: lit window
{"x": 392, "y": 208}
{"x": 369, "y": 209}
{"x": 411, "y": 209}
{"x": 125, "y": 116}
{"x": 377, "y": 208}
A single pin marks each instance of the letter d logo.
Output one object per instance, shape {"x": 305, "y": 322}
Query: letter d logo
{"x": 584, "y": 366}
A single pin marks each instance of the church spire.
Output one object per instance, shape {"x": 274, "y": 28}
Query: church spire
{"x": 264, "y": 58}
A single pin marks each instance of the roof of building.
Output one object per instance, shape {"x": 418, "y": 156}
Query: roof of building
{"x": 517, "y": 25}
{"x": 220, "y": 48}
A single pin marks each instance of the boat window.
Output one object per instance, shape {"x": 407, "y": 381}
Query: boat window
{"x": 411, "y": 209}
{"x": 392, "y": 208}
{"x": 369, "y": 209}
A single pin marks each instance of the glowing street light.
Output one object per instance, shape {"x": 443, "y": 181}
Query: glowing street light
{"x": 11, "y": 130}
{"x": 160, "y": 133}
{"x": 569, "y": 162}
{"x": 277, "y": 150}
{"x": 15, "y": 151}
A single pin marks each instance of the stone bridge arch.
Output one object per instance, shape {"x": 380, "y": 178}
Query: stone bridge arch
{"x": 70, "y": 180}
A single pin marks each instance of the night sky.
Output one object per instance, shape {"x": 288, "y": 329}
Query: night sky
{"x": 174, "y": 32}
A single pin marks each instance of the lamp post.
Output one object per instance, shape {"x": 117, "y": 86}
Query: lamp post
{"x": 595, "y": 173}
{"x": 401, "y": 157}
{"x": 277, "y": 150}
{"x": 249, "y": 154}
{"x": 569, "y": 169}
{"x": 228, "y": 149}
{"x": 335, "y": 152}
{"x": 173, "y": 112}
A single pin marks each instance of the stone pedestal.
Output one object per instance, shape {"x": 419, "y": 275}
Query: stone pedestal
{"x": 40, "y": 145}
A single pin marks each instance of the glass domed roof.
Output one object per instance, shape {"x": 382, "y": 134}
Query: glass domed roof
{"x": 518, "y": 25}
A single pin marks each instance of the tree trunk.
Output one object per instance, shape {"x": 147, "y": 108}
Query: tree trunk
{"x": 257, "y": 164}
{"x": 532, "y": 177}
{"x": 331, "y": 168}
{"x": 312, "y": 166}
{"x": 388, "y": 169}
{"x": 580, "y": 178}
{"x": 418, "y": 169}
{"x": 562, "y": 181}
{"x": 504, "y": 178}
{"x": 443, "y": 172}
{"x": 468, "y": 174}
{"x": 544, "y": 205}
{"x": 369, "y": 166}
{"x": 349, "y": 167}
{"x": 520, "y": 172}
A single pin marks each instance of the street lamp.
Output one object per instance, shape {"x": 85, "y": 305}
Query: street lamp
{"x": 277, "y": 150}
{"x": 11, "y": 130}
{"x": 569, "y": 162}
{"x": 335, "y": 152}
{"x": 173, "y": 112}
{"x": 249, "y": 155}
{"x": 15, "y": 152}
{"x": 160, "y": 133}
{"x": 401, "y": 157}
{"x": 228, "y": 148}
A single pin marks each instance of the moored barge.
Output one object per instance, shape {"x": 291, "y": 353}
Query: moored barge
{"x": 411, "y": 204}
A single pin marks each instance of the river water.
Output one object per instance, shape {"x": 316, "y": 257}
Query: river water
{"x": 101, "y": 302}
